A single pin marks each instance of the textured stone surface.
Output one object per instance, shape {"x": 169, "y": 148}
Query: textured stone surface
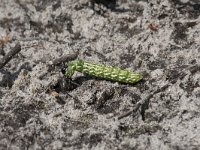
{"x": 39, "y": 109}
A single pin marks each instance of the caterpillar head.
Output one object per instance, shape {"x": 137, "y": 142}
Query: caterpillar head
{"x": 69, "y": 69}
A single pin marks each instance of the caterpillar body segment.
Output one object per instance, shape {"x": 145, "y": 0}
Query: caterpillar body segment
{"x": 76, "y": 65}
{"x": 102, "y": 71}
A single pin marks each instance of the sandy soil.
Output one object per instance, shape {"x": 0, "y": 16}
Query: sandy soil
{"x": 41, "y": 109}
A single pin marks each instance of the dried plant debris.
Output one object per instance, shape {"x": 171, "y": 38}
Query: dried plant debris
{"x": 10, "y": 55}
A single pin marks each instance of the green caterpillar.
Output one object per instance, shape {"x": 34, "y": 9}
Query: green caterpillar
{"x": 101, "y": 71}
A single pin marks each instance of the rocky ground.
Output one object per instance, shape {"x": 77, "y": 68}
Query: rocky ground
{"x": 41, "y": 109}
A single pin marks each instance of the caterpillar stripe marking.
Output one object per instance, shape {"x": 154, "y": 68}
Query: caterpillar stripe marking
{"x": 102, "y": 71}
